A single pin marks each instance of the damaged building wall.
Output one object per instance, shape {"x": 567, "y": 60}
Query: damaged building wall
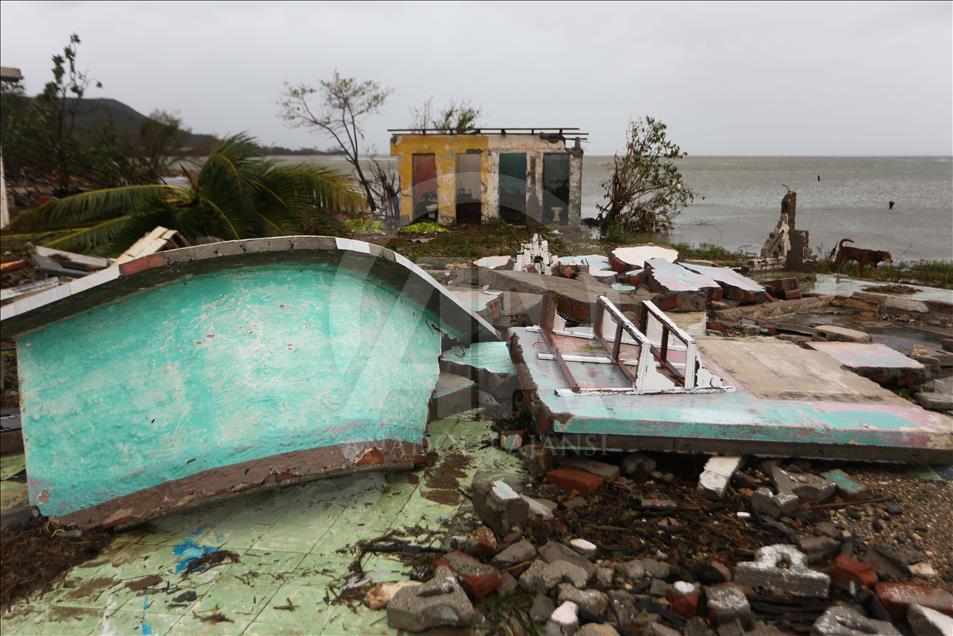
{"x": 208, "y": 370}
{"x": 224, "y": 368}
{"x": 445, "y": 148}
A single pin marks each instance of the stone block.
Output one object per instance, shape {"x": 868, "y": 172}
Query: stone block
{"x": 840, "y": 334}
{"x": 782, "y": 570}
{"x": 499, "y": 506}
{"x": 807, "y": 487}
{"x": 520, "y": 552}
{"x": 440, "y": 602}
{"x": 564, "y": 620}
{"x": 592, "y": 604}
{"x": 727, "y": 602}
{"x": 924, "y": 621}
{"x": 717, "y": 474}
{"x": 839, "y": 620}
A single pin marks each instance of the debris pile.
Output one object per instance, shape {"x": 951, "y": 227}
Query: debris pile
{"x": 616, "y": 545}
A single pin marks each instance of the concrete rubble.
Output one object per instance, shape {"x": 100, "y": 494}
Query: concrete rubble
{"x": 621, "y": 536}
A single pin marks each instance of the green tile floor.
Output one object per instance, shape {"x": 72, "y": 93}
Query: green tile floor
{"x": 287, "y": 540}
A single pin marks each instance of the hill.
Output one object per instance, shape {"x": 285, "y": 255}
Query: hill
{"x": 94, "y": 113}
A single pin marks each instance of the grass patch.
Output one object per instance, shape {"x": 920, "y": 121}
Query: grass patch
{"x": 711, "y": 252}
{"x": 470, "y": 241}
{"x": 930, "y": 273}
{"x": 364, "y": 226}
{"x": 423, "y": 227}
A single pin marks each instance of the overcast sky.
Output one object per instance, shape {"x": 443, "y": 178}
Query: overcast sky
{"x": 742, "y": 79}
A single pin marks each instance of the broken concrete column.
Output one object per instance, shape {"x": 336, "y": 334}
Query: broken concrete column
{"x": 717, "y": 474}
{"x": 782, "y": 570}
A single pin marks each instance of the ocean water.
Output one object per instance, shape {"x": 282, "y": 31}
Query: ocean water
{"x": 739, "y": 200}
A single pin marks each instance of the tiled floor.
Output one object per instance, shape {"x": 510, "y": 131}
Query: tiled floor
{"x": 287, "y": 541}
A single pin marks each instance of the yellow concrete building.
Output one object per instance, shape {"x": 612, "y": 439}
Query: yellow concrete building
{"x": 514, "y": 174}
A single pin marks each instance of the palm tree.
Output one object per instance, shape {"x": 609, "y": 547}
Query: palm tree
{"x": 236, "y": 194}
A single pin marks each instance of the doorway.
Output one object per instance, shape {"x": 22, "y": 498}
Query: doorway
{"x": 513, "y": 187}
{"x": 556, "y": 188}
{"x": 424, "y": 187}
{"x": 469, "y": 186}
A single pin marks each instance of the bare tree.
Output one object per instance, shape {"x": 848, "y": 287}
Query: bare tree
{"x": 345, "y": 101}
{"x": 459, "y": 116}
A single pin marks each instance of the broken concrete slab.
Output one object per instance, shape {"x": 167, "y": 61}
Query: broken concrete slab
{"x": 934, "y": 401}
{"x": 451, "y": 395}
{"x": 782, "y": 570}
{"x": 875, "y": 361}
{"x": 734, "y": 286}
{"x": 155, "y": 240}
{"x": 681, "y": 289}
{"x": 839, "y": 620}
{"x": 495, "y": 262}
{"x": 624, "y": 259}
{"x": 487, "y": 363}
{"x": 717, "y": 475}
{"x": 574, "y": 297}
{"x": 840, "y": 334}
{"x": 362, "y": 306}
{"x": 486, "y": 304}
{"x": 787, "y": 401}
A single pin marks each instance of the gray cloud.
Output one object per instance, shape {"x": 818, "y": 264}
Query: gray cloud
{"x": 772, "y": 79}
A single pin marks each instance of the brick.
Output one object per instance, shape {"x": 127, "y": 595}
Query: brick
{"x": 609, "y": 472}
{"x": 848, "y": 570}
{"x": 684, "y": 598}
{"x": 575, "y": 479}
{"x": 897, "y": 597}
{"x": 478, "y": 579}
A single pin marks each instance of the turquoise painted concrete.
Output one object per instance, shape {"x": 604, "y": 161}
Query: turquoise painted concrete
{"x": 218, "y": 369}
{"x": 737, "y": 415}
{"x": 491, "y": 356}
